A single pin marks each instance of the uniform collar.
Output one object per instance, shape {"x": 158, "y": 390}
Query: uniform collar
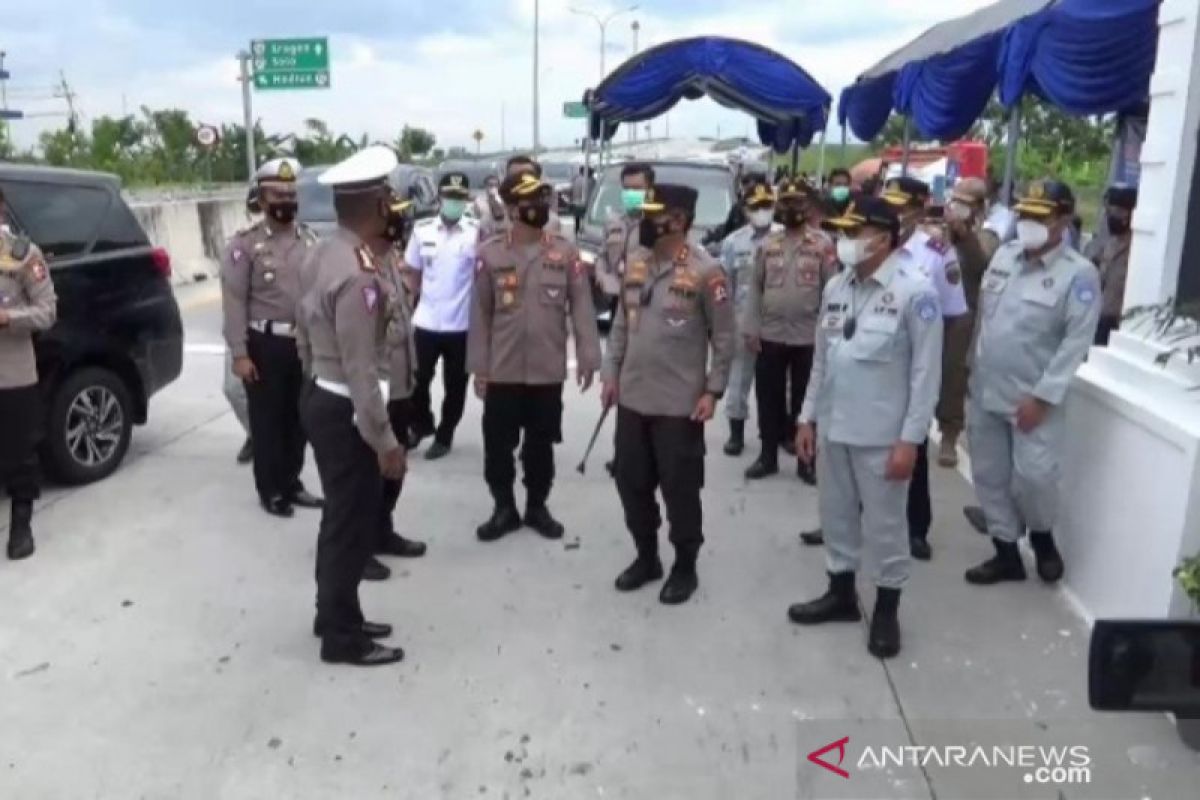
{"x": 444, "y": 227}
{"x": 1045, "y": 260}
{"x": 913, "y": 244}
{"x": 882, "y": 276}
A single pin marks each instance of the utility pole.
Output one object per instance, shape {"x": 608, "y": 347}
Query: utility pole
{"x": 3, "y": 82}
{"x": 537, "y": 139}
{"x": 634, "y": 26}
{"x": 503, "y": 146}
{"x": 247, "y": 113}
{"x": 69, "y": 96}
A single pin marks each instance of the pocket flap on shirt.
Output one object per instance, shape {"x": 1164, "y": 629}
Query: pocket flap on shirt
{"x": 880, "y": 324}
{"x": 1040, "y": 296}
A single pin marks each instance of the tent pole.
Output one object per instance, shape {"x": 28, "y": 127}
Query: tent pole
{"x": 1010, "y": 153}
{"x": 843, "y": 156}
{"x": 795, "y": 157}
{"x": 821, "y": 161}
{"x": 904, "y": 156}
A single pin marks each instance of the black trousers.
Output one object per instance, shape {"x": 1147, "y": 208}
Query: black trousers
{"x": 508, "y": 410}
{"x": 352, "y": 486}
{"x": 274, "y": 401}
{"x": 1104, "y": 329}
{"x": 19, "y": 427}
{"x": 451, "y": 348}
{"x": 400, "y": 415}
{"x": 665, "y": 453}
{"x": 920, "y": 506}
{"x": 777, "y": 366}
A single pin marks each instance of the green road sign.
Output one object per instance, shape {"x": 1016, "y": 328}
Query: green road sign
{"x": 290, "y": 63}
{"x": 574, "y": 110}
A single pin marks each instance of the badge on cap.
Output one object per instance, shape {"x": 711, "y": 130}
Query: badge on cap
{"x": 370, "y": 298}
{"x": 286, "y": 173}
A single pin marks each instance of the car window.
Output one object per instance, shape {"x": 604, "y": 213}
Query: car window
{"x": 315, "y": 200}
{"x": 713, "y": 185}
{"x": 425, "y": 188}
{"x": 119, "y": 231}
{"x": 61, "y": 219}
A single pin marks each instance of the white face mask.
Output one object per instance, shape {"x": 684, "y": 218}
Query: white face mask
{"x": 1032, "y": 235}
{"x": 762, "y": 217}
{"x": 853, "y": 252}
{"x": 958, "y": 212}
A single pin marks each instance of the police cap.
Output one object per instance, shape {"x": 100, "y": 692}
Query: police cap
{"x": 866, "y": 210}
{"x": 759, "y": 193}
{"x": 906, "y": 192}
{"x": 454, "y": 186}
{"x": 278, "y": 170}
{"x": 523, "y": 186}
{"x": 1044, "y": 198}
{"x": 367, "y": 169}
{"x": 670, "y": 197}
{"x": 1122, "y": 196}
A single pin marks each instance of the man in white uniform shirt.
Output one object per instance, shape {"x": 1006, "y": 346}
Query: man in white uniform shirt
{"x": 441, "y": 255}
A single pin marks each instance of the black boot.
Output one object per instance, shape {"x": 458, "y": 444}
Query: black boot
{"x": 806, "y": 473}
{"x": 813, "y": 538}
{"x": 504, "y": 520}
{"x": 538, "y": 517}
{"x": 246, "y": 454}
{"x": 838, "y": 604}
{"x": 20, "y": 530}
{"x": 376, "y": 570}
{"x": 1049, "y": 562}
{"x": 1004, "y": 566}
{"x": 919, "y": 547}
{"x": 646, "y": 568}
{"x": 737, "y": 437}
{"x": 393, "y": 544}
{"x": 682, "y": 582}
{"x": 767, "y": 464}
{"x": 884, "y": 640}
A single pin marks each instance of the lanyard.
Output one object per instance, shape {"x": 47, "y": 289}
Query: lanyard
{"x": 850, "y": 327}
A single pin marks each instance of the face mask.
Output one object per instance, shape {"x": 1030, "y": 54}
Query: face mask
{"x": 958, "y": 212}
{"x": 790, "y": 216}
{"x": 762, "y": 218}
{"x": 632, "y": 199}
{"x": 283, "y": 212}
{"x": 651, "y": 230}
{"x": 840, "y": 194}
{"x": 852, "y": 252}
{"x": 452, "y": 210}
{"x": 1032, "y": 234}
{"x": 534, "y": 216}
{"x": 1118, "y": 226}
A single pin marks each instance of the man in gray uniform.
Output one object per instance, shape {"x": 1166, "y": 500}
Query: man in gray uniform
{"x": 871, "y": 397}
{"x": 260, "y": 285}
{"x": 27, "y": 304}
{"x": 738, "y": 253}
{"x": 527, "y": 284}
{"x": 675, "y": 307}
{"x": 343, "y": 318}
{"x": 1038, "y": 310}
{"x": 233, "y": 387}
{"x": 621, "y": 232}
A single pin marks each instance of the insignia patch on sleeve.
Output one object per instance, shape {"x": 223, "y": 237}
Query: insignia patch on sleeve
{"x": 953, "y": 275}
{"x": 1085, "y": 291}
{"x": 720, "y": 290}
{"x": 38, "y": 268}
{"x": 238, "y": 255}
{"x": 370, "y": 298}
{"x": 478, "y": 265}
{"x": 580, "y": 268}
{"x": 927, "y": 309}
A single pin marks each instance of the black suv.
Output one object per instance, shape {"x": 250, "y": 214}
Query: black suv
{"x": 119, "y": 336}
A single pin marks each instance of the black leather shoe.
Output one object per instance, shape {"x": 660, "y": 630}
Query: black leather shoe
{"x": 884, "y": 639}
{"x": 396, "y": 545}
{"x": 975, "y": 516}
{"x": 806, "y": 473}
{"x": 789, "y": 446}
{"x": 764, "y": 466}
{"x": 504, "y": 521}
{"x": 610, "y": 467}
{"x": 437, "y": 450}
{"x": 372, "y": 630}
{"x": 1006, "y": 565}
{"x": 838, "y": 604}
{"x": 538, "y": 517}
{"x": 376, "y": 570}
{"x": 646, "y": 569}
{"x": 20, "y": 531}
{"x": 814, "y": 538}
{"x": 919, "y": 547}
{"x": 278, "y": 507}
{"x": 737, "y": 437}
{"x": 681, "y": 584}
{"x": 375, "y": 655}
{"x": 417, "y": 435}
{"x": 305, "y": 499}
{"x": 1049, "y": 562}
{"x": 246, "y": 454}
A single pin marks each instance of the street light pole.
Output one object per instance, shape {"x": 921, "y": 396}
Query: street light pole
{"x": 537, "y": 139}
{"x": 635, "y": 26}
{"x": 248, "y": 113}
{"x": 602, "y": 22}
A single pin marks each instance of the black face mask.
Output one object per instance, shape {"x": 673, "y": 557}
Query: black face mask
{"x": 284, "y": 212}
{"x": 535, "y": 216}
{"x": 790, "y": 216}
{"x": 651, "y": 230}
{"x": 1118, "y": 226}
{"x": 398, "y": 228}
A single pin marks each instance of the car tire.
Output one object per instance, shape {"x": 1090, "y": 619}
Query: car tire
{"x": 88, "y": 427}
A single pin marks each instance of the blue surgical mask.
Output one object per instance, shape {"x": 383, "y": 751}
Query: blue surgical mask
{"x": 840, "y": 194}
{"x": 452, "y": 210}
{"x": 632, "y": 199}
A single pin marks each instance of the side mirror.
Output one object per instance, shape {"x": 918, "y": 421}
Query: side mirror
{"x": 1145, "y": 665}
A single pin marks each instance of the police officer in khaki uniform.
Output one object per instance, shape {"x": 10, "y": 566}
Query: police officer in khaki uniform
{"x": 870, "y": 401}
{"x": 528, "y": 283}
{"x": 675, "y": 308}
{"x": 1113, "y": 258}
{"x": 621, "y": 232}
{"x": 780, "y": 321}
{"x": 1038, "y": 311}
{"x": 344, "y": 314}
{"x": 27, "y": 304}
{"x": 260, "y": 285}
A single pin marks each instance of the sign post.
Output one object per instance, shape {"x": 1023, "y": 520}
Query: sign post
{"x": 247, "y": 114}
{"x": 291, "y": 63}
{"x": 574, "y": 110}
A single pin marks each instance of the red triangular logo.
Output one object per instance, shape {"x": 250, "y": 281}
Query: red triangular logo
{"x": 840, "y": 746}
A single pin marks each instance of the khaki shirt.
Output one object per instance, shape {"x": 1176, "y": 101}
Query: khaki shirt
{"x": 342, "y": 328}
{"x": 402, "y": 353}
{"x": 260, "y": 278}
{"x": 1114, "y": 267}
{"x": 620, "y": 238}
{"x": 27, "y": 298}
{"x": 880, "y": 385}
{"x": 522, "y": 299}
{"x": 671, "y": 314}
{"x": 784, "y": 295}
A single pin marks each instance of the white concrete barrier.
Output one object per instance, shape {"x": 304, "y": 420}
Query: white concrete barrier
{"x": 192, "y": 230}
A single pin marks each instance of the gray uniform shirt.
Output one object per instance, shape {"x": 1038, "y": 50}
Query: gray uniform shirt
{"x": 620, "y": 238}
{"x": 260, "y": 278}
{"x": 784, "y": 294}
{"x": 879, "y": 386}
{"x": 342, "y": 328}
{"x": 523, "y": 297}
{"x": 1037, "y": 319}
{"x": 402, "y": 354}
{"x": 738, "y": 252}
{"x": 672, "y": 313}
{"x": 27, "y": 297}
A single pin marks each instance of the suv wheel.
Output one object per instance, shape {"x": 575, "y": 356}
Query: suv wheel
{"x": 89, "y": 426}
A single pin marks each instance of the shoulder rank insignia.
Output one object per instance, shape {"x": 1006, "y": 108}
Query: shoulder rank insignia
{"x": 366, "y": 259}
{"x": 682, "y": 256}
{"x": 937, "y": 246}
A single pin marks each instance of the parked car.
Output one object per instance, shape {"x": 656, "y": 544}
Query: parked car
{"x": 119, "y": 337}
{"x": 315, "y": 201}
{"x": 560, "y": 174}
{"x": 715, "y": 184}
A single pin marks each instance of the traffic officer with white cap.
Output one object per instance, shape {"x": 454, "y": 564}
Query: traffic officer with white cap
{"x": 344, "y": 314}
{"x": 260, "y": 286}
{"x": 1038, "y": 310}
{"x": 738, "y": 253}
{"x": 675, "y": 308}
{"x": 527, "y": 284}
{"x": 870, "y": 400}
{"x": 27, "y": 305}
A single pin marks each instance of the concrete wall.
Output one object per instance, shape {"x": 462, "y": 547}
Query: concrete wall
{"x": 192, "y": 230}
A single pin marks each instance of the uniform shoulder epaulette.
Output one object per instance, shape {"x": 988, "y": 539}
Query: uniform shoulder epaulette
{"x": 250, "y": 228}
{"x": 495, "y": 237}
{"x": 425, "y": 223}
{"x": 366, "y": 259}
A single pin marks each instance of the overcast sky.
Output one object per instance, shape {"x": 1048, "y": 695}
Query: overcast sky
{"x": 450, "y": 66}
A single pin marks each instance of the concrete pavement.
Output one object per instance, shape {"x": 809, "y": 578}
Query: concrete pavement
{"x": 159, "y": 645}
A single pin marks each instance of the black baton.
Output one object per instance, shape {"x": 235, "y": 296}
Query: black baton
{"x": 582, "y": 468}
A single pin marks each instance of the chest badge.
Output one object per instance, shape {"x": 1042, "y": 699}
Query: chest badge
{"x": 269, "y": 276}
{"x": 1048, "y": 283}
